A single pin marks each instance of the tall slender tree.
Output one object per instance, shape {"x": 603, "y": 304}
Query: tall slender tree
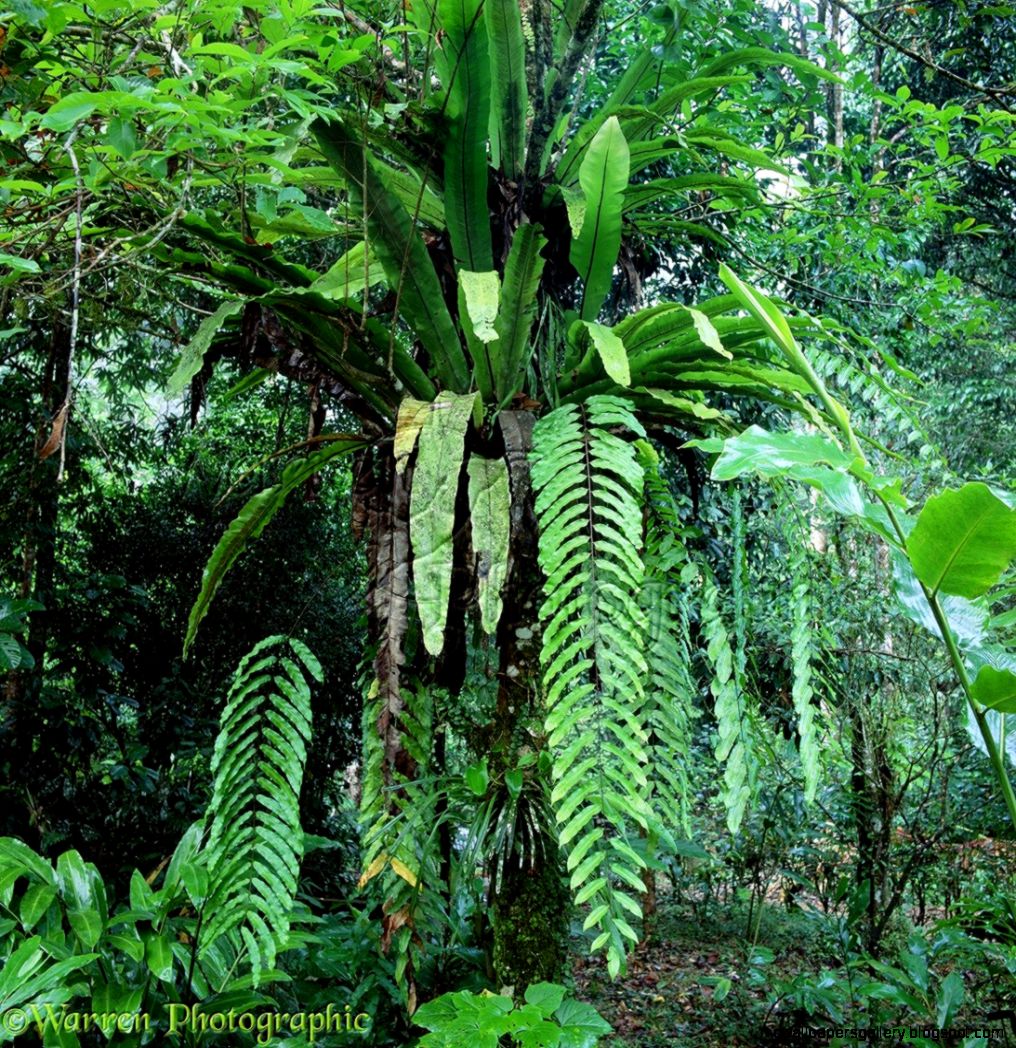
{"x": 511, "y": 396}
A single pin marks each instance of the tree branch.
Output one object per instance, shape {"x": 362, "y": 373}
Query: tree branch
{"x": 996, "y": 93}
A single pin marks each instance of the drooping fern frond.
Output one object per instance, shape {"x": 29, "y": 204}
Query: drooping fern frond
{"x": 255, "y": 843}
{"x": 855, "y": 373}
{"x": 738, "y": 587}
{"x": 589, "y": 485}
{"x": 734, "y": 744}
{"x": 803, "y": 655}
{"x": 670, "y": 691}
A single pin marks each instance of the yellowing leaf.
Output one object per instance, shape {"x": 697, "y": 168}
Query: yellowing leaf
{"x": 611, "y": 351}
{"x": 405, "y": 873}
{"x": 412, "y": 414}
{"x": 372, "y": 870}
{"x": 709, "y": 335}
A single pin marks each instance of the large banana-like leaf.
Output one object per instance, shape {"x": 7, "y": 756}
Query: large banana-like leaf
{"x": 400, "y": 250}
{"x": 518, "y": 308}
{"x": 467, "y": 78}
{"x": 432, "y": 508}
{"x": 252, "y": 520}
{"x": 508, "y": 84}
{"x": 603, "y": 177}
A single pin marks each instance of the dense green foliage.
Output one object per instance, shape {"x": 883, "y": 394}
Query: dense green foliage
{"x": 659, "y": 360}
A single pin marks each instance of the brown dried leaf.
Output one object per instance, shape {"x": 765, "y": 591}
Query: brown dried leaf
{"x": 56, "y": 434}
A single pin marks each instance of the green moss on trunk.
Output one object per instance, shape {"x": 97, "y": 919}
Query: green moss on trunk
{"x": 531, "y": 916}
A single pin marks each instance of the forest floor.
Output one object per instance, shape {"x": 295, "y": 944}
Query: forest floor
{"x": 701, "y": 981}
{"x": 675, "y": 990}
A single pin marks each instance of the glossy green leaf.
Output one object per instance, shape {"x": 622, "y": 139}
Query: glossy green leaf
{"x": 951, "y": 994}
{"x": 518, "y": 309}
{"x": 34, "y": 903}
{"x": 603, "y": 176}
{"x": 159, "y": 956}
{"x": 509, "y": 93}
{"x": 84, "y": 897}
{"x": 773, "y": 454}
{"x": 69, "y": 111}
{"x": 477, "y": 778}
{"x": 350, "y": 276}
{"x": 963, "y": 540}
{"x": 995, "y": 689}
{"x": 582, "y": 1026}
{"x": 967, "y": 621}
{"x": 466, "y": 72}
{"x": 400, "y": 250}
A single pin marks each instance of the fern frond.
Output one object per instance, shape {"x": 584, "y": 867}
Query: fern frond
{"x": 670, "y": 691}
{"x": 738, "y": 579}
{"x": 401, "y": 843}
{"x": 734, "y": 740}
{"x": 588, "y": 484}
{"x": 802, "y": 659}
{"x": 255, "y": 843}
{"x": 859, "y": 378}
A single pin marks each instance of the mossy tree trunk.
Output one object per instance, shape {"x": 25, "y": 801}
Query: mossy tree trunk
{"x": 532, "y": 904}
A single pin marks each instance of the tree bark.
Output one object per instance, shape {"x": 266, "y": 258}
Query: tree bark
{"x": 24, "y": 724}
{"x": 532, "y": 904}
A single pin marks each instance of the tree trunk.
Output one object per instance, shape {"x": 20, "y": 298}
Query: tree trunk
{"x": 834, "y": 93}
{"x": 532, "y": 904}
{"x": 28, "y": 764}
{"x": 873, "y": 802}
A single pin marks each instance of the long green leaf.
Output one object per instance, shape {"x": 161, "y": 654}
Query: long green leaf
{"x": 762, "y": 56}
{"x": 400, "y": 250}
{"x": 193, "y": 356}
{"x": 489, "y": 506}
{"x": 661, "y": 111}
{"x": 665, "y": 189}
{"x": 252, "y": 520}
{"x": 603, "y": 177}
{"x": 518, "y": 309}
{"x": 432, "y": 508}
{"x": 640, "y": 74}
{"x": 464, "y": 50}
{"x": 479, "y": 295}
{"x": 508, "y": 85}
